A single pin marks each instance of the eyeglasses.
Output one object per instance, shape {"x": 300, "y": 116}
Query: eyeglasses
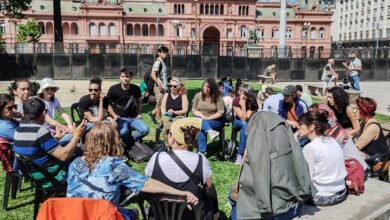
{"x": 95, "y": 90}
{"x": 49, "y": 89}
{"x": 173, "y": 86}
{"x": 12, "y": 107}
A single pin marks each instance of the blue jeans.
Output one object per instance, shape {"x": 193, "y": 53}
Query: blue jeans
{"x": 241, "y": 126}
{"x": 134, "y": 123}
{"x": 293, "y": 212}
{"x": 207, "y": 125}
{"x": 91, "y": 124}
{"x": 65, "y": 140}
{"x": 355, "y": 80}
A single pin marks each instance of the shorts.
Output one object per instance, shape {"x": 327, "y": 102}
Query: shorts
{"x": 325, "y": 83}
{"x": 159, "y": 96}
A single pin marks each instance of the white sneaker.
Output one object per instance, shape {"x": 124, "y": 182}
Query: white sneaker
{"x": 213, "y": 134}
{"x": 238, "y": 159}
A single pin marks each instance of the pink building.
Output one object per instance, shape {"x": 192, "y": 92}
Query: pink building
{"x": 218, "y": 26}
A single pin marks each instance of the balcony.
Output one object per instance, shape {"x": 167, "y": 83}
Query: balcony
{"x": 108, "y": 38}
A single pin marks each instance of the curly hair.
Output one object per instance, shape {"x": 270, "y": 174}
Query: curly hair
{"x": 319, "y": 120}
{"x": 101, "y": 141}
{"x": 367, "y": 106}
{"x": 340, "y": 98}
{"x": 96, "y": 80}
{"x": 214, "y": 90}
{"x": 4, "y": 100}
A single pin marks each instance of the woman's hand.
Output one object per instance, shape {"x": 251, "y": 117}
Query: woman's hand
{"x": 170, "y": 111}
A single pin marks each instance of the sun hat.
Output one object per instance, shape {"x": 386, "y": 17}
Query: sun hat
{"x": 289, "y": 90}
{"x": 180, "y": 124}
{"x": 45, "y": 83}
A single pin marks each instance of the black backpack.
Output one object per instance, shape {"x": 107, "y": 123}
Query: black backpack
{"x": 148, "y": 79}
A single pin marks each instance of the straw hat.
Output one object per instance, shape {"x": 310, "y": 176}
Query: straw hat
{"x": 45, "y": 83}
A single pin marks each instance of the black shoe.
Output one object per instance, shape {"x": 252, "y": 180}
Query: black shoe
{"x": 153, "y": 117}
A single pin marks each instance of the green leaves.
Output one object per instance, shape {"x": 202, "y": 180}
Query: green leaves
{"x": 2, "y": 44}
{"x": 15, "y": 8}
{"x": 29, "y": 32}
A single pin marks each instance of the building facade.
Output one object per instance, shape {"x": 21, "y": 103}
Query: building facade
{"x": 187, "y": 27}
{"x": 359, "y": 23}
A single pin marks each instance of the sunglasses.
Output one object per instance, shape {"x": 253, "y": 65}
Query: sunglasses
{"x": 12, "y": 107}
{"x": 95, "y": 90}
{"x": 49, "y": 89}
{"x": 173, "y": 86}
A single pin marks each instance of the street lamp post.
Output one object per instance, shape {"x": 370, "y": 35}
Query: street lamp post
{"x": 175, "y": 24}
{"x": 306, "y": 26}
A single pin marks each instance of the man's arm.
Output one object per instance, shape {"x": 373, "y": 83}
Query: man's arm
{"x": 139, "y": 106}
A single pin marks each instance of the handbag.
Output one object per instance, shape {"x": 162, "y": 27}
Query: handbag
{"x": 140, "y": 152}
{"x": 210, "y": 194}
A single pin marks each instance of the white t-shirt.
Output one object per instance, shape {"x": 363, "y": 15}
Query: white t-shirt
{"x": 172, "y": 171}
{"x": 326, "y": 165}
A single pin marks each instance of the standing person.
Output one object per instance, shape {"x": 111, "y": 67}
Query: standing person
{"x": 208, "y": 105}
{"x": 95, "y": 105}
{"x": 328, "y": 74}
{"x": 239, "y": 83}
{"x": 354, "y": 67}
{"x": 126, "y": 107}
{"x": 245, "y": 106}
{"x": 8, "y": 124}
{"x": 325, "y": 159}
{"x": 21, "y": 89}
{"x": 271, "y": 71}
{"x": 225, "y": 87}
{"x": 291, "y": 107}
{"x": 303, "y": 95}
{"x": 159, "y": 75}
{"x": 338, "y": 102}
{"x": 47, "y": 92}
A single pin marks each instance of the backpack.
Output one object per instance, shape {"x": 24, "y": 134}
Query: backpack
{"x": 230, "y": 150}
{"x": 140, "y": 152}
{"x": 159, "y": 146}
{"x": 148, "y": 79}
{"x": 355, "y": 177}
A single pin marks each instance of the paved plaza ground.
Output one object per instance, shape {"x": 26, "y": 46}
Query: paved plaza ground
{"x": 380, "y": 91}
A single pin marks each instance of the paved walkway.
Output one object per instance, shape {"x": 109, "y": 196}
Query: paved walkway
{"x": 380, "y": 91}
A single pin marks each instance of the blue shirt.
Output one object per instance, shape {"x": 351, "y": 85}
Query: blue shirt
{"x": 271, "y": 104}
{"x": 226, "y": 88}
{"x": 104, "y": 181}
{"x": 8, "y": 128}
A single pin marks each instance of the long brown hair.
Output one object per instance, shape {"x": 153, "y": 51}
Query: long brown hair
{"x": 101, "y": 141}
{"x": 214, "y": 90}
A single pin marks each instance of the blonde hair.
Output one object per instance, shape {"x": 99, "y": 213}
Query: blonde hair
{"x": 182, "y": 87}
{"x": 101, "y": 141}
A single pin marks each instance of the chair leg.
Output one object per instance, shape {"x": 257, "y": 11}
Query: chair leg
{"x": 7, "y": 189}
{"x": 14, "y": 185}
{"x": 20, "y": 181}
{"x": 37, "y": 201}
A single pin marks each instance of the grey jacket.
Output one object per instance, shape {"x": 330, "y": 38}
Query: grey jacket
{"x": 274, "y": 176}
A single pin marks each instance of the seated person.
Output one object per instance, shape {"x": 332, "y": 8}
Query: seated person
{"x": 324, "y": 158}
{"x": 21, "y": 90}
{"x": 225, "y": 87}
{"x": 47, "y": 92}
{"x": 271, "y": 71}
{"x": 239, "y": 83}
{"x": 144, "y": 92}
{"x": 33, "y": 140}
{"x": 264, "y": 94}
{"x": 303, "y": 95}
{"x": 208, "y": 105}
{"x": 174, "y": 105}
{"x": 271, "y": 104}
{"x": 245, "y": 106}
{"x": 370, "y": 140}
{"x": 100, "y": 174}
{"x": 291, "y": 107}
{"x": 94, "y": 106}
{"x": 338, "y": 102}
{"x": 7, "y": 113}
{"x": 163, "y": 167}
{"x": 340, "y": 135}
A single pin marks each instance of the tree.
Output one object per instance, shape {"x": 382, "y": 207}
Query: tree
{"x": 15, "y": 8}
{"x": 2, "y": 44}
{"x": 28, "y": 33}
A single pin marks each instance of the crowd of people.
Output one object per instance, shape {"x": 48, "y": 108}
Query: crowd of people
{"x": 328, "y": 134}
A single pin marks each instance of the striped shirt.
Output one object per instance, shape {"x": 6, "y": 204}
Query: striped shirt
{"x": 36, "y": 142}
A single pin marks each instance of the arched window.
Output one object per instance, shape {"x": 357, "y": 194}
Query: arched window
{"x": 313, "y": 33}
{"x": 321, "y": 33}
{"x": 2, "y": 28}
{"x": 274, "y": 51}
{"x": 201, "y": 8}
{"x": 274, "y": 33}
{"x": 145, "y": 31}
{"x": 92, "y": 29}
{"x": 179, "y": 30}
{"x": 175, "y": 8}
{"x": 111, "y": 29}
{"x": 102, "y": 29}
{"x": 182, "y": 8}
{"x": 221, "y": 9}
{"x": 130, "y": 30}
{"x": 243, "y": 31}
{"x": 239, "y": 10}
{"x": 304, "y": 33}
{"x": 178, "y": 9}
{"x": 207, "y": 9}
{"x": 75, "y": 29}
{"x": 160, "y": 30}
{"x": 211, "y": 9}
{"x": 216, "y": 9}
{"x": 41, "y": 28}
{"x": 247, "y": 10}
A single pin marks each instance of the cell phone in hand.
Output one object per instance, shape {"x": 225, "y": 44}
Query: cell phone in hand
{"x": 169, "y": 115}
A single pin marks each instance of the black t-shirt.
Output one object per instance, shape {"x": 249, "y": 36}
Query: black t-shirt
{"x": 86, "y": 104}
{"x": 119, "y": 97}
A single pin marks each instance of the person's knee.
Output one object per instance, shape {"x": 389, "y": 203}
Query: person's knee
{"x": 144, "y": 130}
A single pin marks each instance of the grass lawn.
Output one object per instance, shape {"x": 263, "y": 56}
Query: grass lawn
{"x": 224, "y": 173}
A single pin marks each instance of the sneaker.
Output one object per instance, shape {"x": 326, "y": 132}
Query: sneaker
{"x": 238, "y": 159}
{"x": 152, "y": 116}
{"x": 124, "y": 158}
{"x": 213, "y": 134}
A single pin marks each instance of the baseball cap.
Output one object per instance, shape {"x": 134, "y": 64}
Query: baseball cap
{"x": 289, "y": 90}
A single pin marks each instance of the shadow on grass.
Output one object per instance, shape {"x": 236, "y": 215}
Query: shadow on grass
{"x": 20, "y": 205}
